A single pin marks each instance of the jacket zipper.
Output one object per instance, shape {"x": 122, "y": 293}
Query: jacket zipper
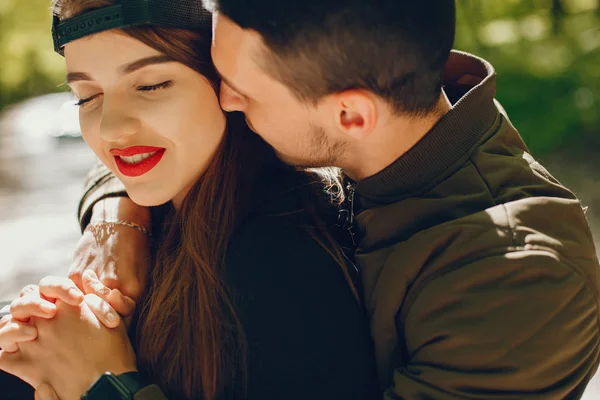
{"x": 350, "y": 219}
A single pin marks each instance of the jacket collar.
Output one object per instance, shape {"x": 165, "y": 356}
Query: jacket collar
{"x": 472, "y": 114}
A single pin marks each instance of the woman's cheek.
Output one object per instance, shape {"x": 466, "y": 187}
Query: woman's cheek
{"x": 91, "y": 135}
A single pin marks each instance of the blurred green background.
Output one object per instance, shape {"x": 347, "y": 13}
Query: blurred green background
{"x": 546, "y": 52}
{"x": 547, "y": 55}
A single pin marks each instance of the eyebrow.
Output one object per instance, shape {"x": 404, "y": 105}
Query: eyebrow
{"x": 125, "y": 69}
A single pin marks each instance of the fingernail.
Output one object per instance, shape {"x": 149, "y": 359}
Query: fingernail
{"x": 111, "y": 317}
{"x": 30, "y": 331}
{"x": 89, "y": 274}
{"x": 75, "y": 293}
{"x": 48, "y": 307}
{"x": 126, "y": 299}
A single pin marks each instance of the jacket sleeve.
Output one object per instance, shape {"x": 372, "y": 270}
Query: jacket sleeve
{"x": 100, "y": 183}
{"x": 508, "y": 326}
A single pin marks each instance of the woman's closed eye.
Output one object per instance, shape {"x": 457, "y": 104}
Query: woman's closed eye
{"x": 87, "y": 100}
{"x": 152, "y": 88}
{"x": 142, "y": 88}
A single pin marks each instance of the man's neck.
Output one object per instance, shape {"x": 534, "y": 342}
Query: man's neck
{"x": 393, "y": 140}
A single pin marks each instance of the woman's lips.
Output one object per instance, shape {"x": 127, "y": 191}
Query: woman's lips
{"x": 137, "y": 160}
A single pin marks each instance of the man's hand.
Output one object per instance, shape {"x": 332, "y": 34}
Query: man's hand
{"x": 121, "y": 259}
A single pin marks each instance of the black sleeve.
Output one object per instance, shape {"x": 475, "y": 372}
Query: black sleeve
{"x": 99, "y": 184}
{"x": 307, "y": 335}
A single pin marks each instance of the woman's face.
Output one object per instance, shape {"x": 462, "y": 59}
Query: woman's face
{"x": 154, "y": 122}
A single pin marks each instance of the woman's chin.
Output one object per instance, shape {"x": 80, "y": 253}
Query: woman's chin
{"x": 144, "y": 200}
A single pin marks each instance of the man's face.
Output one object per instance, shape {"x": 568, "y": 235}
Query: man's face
{"x": 297, "y": 130}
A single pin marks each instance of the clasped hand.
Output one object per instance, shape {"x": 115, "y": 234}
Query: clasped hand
{"x": 60, "y": 341}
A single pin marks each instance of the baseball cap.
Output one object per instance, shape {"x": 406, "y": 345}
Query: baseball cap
{"x": 186, "y": 14}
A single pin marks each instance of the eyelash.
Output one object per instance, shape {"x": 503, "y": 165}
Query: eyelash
{"x": 84, "y": 101}
{"x": 150, "y": 88}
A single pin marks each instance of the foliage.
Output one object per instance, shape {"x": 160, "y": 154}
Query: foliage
{"x": 547, "y": 56}
{"x": 546, "y": 53}
{"x": 28, "y": 65}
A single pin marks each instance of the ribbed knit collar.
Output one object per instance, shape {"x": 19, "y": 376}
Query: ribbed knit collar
{"x": 449, "y": 140}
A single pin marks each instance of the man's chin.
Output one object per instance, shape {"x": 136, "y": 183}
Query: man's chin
{"x": 251, "y": 126}
{"x": 299, "y": 162}
{"x": 285, "y": 158}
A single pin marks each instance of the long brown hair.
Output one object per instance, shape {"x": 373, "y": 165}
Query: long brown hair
{"x": 188, "y": 338}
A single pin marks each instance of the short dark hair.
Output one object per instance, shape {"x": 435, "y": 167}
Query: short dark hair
{"x": 396, "y": 49}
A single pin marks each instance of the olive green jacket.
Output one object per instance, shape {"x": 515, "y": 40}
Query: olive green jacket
{"x": 479, "y": 269}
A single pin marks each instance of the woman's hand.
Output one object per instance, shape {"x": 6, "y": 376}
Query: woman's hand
{"x": 113, "y": 303}
{"x": 71, "y": 351}
{"x": 13, "y": 332}
{"x": 38, "y": 301}
{"x": 15, "y": 328}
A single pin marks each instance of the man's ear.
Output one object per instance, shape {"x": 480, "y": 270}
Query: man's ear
{"x": 355, "y": 113}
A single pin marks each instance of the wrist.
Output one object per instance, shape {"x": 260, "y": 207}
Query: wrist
{"x": 121, "y": 208}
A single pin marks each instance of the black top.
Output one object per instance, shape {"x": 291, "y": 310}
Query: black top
{"x": 307, "y": 335}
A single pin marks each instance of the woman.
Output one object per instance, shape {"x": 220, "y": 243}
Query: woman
{"x": 249, "y": 296}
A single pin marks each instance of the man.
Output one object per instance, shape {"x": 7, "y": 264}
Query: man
{"x": 479, "y": 271}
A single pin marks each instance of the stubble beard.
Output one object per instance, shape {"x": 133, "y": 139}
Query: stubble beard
{"x": 321, "y": 151}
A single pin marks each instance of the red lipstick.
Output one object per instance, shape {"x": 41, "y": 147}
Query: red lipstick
{"x": 137, "y": 160}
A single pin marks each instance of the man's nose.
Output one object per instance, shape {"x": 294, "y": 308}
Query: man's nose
{"x": 231, "y": 100}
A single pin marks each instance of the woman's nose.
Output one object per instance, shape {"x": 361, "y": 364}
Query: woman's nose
{"x": 117, "y": 122}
